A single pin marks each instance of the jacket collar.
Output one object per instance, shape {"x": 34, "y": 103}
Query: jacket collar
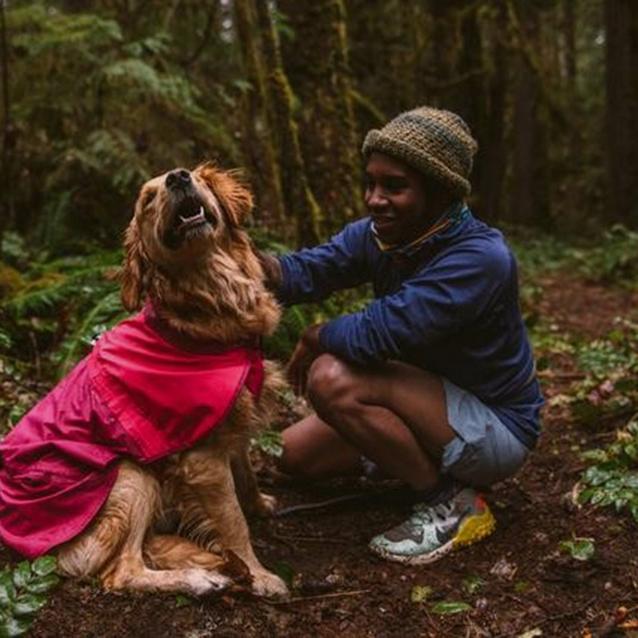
{"x": 452, "y": 223}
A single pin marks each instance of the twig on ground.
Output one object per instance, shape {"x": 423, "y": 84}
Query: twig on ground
{"x": 609, "y": 626}
{"x": 568, "y": 614}
{"x": 309, "y": 539}
{"x": 285, "y": 511}
{"x": 303, "y": 599}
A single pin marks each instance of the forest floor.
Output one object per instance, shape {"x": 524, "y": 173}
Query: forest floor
{"x": 518, "y": 582}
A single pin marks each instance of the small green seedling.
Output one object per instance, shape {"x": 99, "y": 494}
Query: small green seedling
{"x": 582, "y": 549}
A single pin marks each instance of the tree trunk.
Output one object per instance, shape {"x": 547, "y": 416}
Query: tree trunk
{"x": 569, "y": 44}
{"x": 621, "y": 20}
{"x": 529, "y": 204}
{"x": 492, "y": 153}
{"x": 298, "y": 196}
{"x": 257, "y": 146}
{"x": 316, "y": 63}
{"x": 8, "y": 136}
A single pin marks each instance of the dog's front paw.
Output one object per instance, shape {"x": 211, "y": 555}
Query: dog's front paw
{"x": 269, "y": 585}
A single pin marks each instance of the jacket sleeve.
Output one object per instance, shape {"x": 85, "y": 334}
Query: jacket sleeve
{"x": 311, "y": 274}
{"x": 432, "y": 305}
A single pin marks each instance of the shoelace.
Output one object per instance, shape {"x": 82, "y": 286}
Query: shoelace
{"x": 427, "y": 514}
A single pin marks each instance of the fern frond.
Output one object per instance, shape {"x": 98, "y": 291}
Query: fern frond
{"x": 101, "y": 317}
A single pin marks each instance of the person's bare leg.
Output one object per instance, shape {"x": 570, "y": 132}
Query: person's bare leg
{"x": 313, "y": 449}
{"x": 394, "y": 414}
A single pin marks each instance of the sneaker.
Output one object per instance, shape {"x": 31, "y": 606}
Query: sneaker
{"x": 435, "y": 530}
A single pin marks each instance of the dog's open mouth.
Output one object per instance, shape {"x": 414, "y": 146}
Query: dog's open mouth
{"x": 191, "y": 214}
{"x": 190, "y": 219}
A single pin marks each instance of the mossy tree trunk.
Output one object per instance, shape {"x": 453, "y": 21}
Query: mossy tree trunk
{"x": 388, "y": 39}
{"x": 298, "y": 196}
{"x": 8, "y": 137}
{"x": 316, "y": 63}
{"x": 256, "y": 138}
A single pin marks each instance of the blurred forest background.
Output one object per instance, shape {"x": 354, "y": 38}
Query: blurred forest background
{"x": 99, "y": 96}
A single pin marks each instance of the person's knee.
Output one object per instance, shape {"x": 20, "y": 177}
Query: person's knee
{"x": 297, "y": 462}
{"x": 330, "y": 384}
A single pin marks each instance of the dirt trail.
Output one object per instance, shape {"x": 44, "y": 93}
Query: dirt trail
{"x": 342, "y": 590}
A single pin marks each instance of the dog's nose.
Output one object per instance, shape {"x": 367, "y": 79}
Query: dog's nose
{"x": 179, "y": 178}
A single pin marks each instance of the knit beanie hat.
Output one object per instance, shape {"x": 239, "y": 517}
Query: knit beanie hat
{"x": 437, "y": 143}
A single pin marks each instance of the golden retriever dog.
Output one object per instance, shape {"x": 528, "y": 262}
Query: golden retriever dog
{"x": 187, "y": 256}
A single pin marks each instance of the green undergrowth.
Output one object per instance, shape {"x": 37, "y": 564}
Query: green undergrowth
{"x": 23, "y": 592}
{"x": 51, "y": 318}
{"x": 612, "y": 478}
{"x": 603, "y": 398}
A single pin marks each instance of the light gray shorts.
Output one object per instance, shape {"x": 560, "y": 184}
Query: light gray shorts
{"x": 483, "y": 451}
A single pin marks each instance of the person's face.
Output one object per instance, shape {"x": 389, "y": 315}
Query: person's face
{"x": 396, "y": 200}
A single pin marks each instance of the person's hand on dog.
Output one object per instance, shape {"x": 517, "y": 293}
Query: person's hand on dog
{"x": 306, "y": 351}
{"x": 272, "y": 270}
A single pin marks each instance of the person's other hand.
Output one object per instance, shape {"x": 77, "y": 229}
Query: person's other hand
{"x": 306, "y": 351}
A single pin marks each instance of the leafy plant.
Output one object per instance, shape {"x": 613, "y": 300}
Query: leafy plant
{"x": 269, "y": 442}
{"x": 612, "y": 479}
{"x": 610, "y": 385}
{"x": 582, "y": 549}
{"x": 472, "y": 584}
{"x": 122, "y": 102}
{"x": 613, "y": 260}
{"x": 23, "y": 592}
{"x": 62, "y": 305}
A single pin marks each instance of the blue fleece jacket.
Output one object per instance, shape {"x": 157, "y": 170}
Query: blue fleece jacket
{"x": 453, "y": 309}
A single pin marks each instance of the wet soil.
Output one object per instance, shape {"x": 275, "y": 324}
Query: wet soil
{"x": 340, "y": 589}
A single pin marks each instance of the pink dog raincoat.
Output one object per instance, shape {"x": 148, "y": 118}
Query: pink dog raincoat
{"x": 142, "y": 393}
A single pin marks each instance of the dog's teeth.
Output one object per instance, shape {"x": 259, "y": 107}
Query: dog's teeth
{"x": 201, "y": 210}
{"x": 182, "y": 219}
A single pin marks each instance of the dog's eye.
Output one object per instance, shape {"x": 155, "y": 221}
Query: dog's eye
{"x": 148, "y": 198}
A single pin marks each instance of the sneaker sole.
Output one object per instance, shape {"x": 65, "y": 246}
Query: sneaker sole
{"x": 471, "y": 531}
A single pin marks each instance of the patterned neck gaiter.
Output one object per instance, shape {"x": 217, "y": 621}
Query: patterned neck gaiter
{"x": 451, "y": 217}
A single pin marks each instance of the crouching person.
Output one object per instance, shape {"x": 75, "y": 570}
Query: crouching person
{"x": 434, "y": 381}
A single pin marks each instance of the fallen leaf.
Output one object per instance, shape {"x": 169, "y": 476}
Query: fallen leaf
{"x": 504, "y": 569}
{"x": 450, "y": 607}
{"x": 420, "y": 593}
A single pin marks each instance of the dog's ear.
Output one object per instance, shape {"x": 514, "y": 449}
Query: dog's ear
{"x": 232, "y": 194}
{"x": 133, "y": 274}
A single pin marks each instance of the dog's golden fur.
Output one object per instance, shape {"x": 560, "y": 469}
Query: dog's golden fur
{"x": 207, "y": 284}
